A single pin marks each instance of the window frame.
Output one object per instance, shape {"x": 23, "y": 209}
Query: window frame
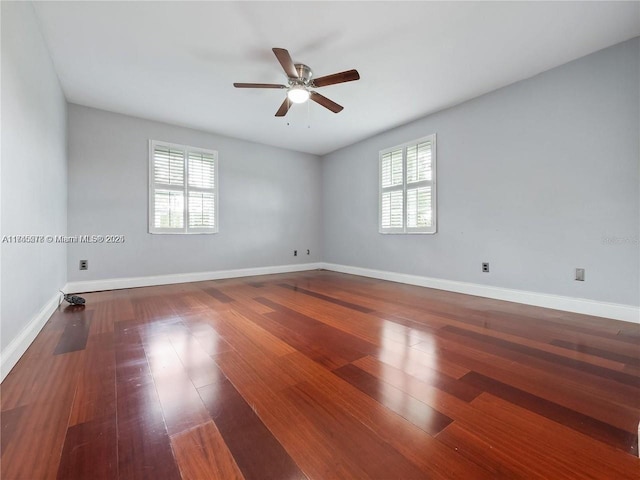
{"x": 404, "y": 230}
{"x": 185, "y": 188}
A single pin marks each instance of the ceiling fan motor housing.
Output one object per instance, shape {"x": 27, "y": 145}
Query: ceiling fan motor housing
{"x": 304, "y": 74}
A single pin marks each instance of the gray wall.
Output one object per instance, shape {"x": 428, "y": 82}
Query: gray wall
{"x": 269, "y": 201}
{"x": 537, "y": 178}
{"x": 34, "y": 170}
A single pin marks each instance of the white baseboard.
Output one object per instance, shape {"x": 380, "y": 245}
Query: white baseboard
{"x": 627, "y": 313}
{"x": 132, "y": 282}
{"x": 10, "y": 355}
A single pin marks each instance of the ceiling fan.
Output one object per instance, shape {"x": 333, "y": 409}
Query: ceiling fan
{"x": 301, "y": 83}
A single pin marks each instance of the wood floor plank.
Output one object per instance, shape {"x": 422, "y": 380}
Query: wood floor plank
{"x": 182, "y": 407}
{"x": 90, "y": 451}
{"x": 75, "y": 334}
{"x": 95, "y": 396}
{"x": 419, "y": 358}
{"x": 508, "y": 324}
{"x": 501, "y": 463}
{"x": 334, "y": 289}
{"x": 445, "y": 403}
{"x": 526, "y": 338}
{"x": 327, "y": 298}
{"x": 218, "y": 295}
{"x": 418, "y": 413}
{"x": 9, "y": 422}
{"x": 377, "y": 458}
{"x": 402, "y": 435}
{"x": 310, "y": 428}
{"x": 524, "y": 355}
{"x": 431, "y": 457}
{"x": 196, "y": 352}
{"x": 628, "y": 332}
{"x": 576, "y": 395}
{"x": 363, "y": 326}
{"x": 150, "y": 305}
{"x": 144, "y": 449}
{"x": 257, "y": 452}
{"x": 244, "y": 295}
{"x": 599, "y": 352}
{"x": 312, "y": 335}
{"x": 299, "y": 335}
{"x": 626, "y": 441}
{"x": 315, "y": 455}
{"x": 109, "y": 309}
{"x": 202, "y": 453}
{"x": 606, "y": 373}
{"x": 207, "y": 338}
{"x": 263, "y": 358}
{"x": 189, "y": 298}
{"x": 546, "y": 446}
{"x": 431, "y": 377}
{"x": 35, "y": 448}
{"x": 243, "y": 334}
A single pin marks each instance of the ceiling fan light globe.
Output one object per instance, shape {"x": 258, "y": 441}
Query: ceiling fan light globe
{"x": 298, "y": 94}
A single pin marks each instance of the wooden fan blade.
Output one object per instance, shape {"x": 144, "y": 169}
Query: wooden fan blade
{"x": 342, "y": 77}
{"x": 325, "y": 102}
{"x": 258, "y": 85}
{"x": 284, "y": 108}
{"x": 285, "y": 60}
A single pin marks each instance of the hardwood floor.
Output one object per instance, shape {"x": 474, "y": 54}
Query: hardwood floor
{"x": 321, "y": 375}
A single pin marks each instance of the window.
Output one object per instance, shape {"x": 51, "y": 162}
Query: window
{"x": 183, "y": 189}
{"x": 408, "y": 187}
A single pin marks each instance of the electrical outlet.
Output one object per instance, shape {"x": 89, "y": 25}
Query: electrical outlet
{"x": 580, "y": 274}
{"x": 84, "y": 264}
{"x": 295, "y": 253}
{"x": 485, "y": 267}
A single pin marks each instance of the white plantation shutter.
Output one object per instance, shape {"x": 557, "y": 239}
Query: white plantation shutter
{"x": 407, "y": 188}
{"x": 419, "y": 162}
{"x": 202, "y": 198}
{"x": 391, "y": 194}
{"x": 392, "y": 169}
{"x": 168, "y": 166}
{"x": 392, "y": 209}
{"x": 201, "y": 170}
{"x": 183, "y": 196}
{"x": 202, "y": 210}
{"x": 419, "y": 207}
{"x": 169, "y": 211}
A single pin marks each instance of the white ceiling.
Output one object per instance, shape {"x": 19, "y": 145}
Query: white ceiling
{"x": 176, "y": 61}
